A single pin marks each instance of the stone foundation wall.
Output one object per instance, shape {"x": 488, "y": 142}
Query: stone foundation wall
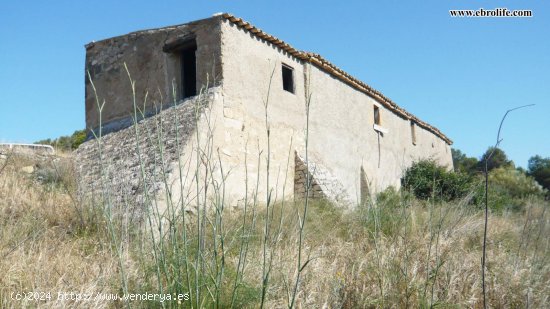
{"x": 110, "y": 168}
{"x": 323, "y": 185}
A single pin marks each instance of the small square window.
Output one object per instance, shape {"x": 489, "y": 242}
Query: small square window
{"x": 377, "y": 115}
{"x": 288, "y": 78}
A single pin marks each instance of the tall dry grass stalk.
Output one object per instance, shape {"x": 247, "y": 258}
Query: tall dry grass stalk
{"x": 486, "y": 223}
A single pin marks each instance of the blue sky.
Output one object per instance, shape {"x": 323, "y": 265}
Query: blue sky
{"x": 459, "y": 74}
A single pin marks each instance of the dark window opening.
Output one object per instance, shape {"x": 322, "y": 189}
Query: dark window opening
{"x": 182, "y": 50}
{"x": 188, "y": 62}
{"x": 288, "y": 78}
{"x": 413, "y": 133}
{"x": 377, "y": 115}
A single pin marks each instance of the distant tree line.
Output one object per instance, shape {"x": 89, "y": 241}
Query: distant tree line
{"x": 538, "y": 167}
{"x": 509, "y": 187}
{"x": 66, "y": 143}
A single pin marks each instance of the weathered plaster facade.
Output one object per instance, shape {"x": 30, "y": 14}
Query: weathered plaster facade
{"x": 243, "y": 68}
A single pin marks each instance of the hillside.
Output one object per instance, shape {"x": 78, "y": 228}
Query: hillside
{"x": 395, "y": 252}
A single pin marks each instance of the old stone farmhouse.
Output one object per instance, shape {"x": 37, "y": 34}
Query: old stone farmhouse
{"x": 200, "y": 96}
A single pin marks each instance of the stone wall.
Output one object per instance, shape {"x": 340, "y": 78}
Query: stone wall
{"x": 154, "y": 70}
{"x": 125, "y": 168}
{"x": 322, "y": 185}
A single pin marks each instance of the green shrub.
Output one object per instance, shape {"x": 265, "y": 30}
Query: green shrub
{"x": 66, "y": 143}
{"x": 509, "y": 187}
{"x": 514, "y": 182}
{"x": 390, "y": 197}
{"x": 425, "y": 179}
{"x": 78, "y": 138}
{"x": 388, "y": 216}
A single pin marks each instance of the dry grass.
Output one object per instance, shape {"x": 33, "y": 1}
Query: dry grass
{"x": 401, "y": 253}
{"x": 412, "y": 266}
{"x": 44, "y": 247}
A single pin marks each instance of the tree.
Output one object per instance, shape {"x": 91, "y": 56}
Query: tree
{"x": 498, "y": 159}
{"x": 66, "y": 143}
{"x": 539, "y": 168}
{"x": 463, "y": 163}
{"x": 426, "y": 179}
{"x": 78, "y": 138}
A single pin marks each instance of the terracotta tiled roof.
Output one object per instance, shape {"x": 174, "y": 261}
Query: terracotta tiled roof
{"x": 330, "y": 68}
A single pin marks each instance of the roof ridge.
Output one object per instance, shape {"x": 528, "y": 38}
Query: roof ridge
{"x": 328, "y": 67}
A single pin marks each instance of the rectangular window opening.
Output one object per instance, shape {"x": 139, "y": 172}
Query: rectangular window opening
{"x": 288, "y": 78}
{"x": 413, "y": 132}
{"x": 188, "y": 62}
{"x": 183, "y": 64}
{"x": 377, "y": 115}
